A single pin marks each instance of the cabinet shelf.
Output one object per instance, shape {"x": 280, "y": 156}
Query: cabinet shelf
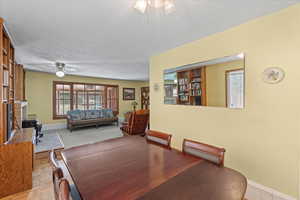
{"x": 5, "y": 66}
{"x": 4, "y": 51}
{"x": 192, "y": 86}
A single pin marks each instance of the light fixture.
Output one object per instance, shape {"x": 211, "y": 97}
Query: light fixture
{"x": 144, "y": 5}
{"x": 169, "y": 6}
{"x": 141, "y": 5}
{"x": 60, "y": 67}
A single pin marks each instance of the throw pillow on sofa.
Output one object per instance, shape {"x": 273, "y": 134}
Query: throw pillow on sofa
{"x": 76, "y": 115}
{"x": 92, "y": 114}
{"x": 108, "y": 113}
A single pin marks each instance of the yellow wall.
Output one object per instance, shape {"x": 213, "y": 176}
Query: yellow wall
{"x": 216, "y": 82}
{"x": 262, "y": 140}
{"x": 39, "y": 93}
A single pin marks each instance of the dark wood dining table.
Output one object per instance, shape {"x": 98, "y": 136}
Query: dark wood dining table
{"x": 131, "y": 168}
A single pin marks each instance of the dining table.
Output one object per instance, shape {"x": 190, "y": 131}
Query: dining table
{"x": 131, "y": 168}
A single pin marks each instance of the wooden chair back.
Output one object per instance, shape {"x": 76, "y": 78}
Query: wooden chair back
{"x": 57, "y": 175}
{"x": 142, "y": 111}
{"x": 207, "y": 152}
{"x": 64, "y": 189}
{"x": 53, "y": 160}
{"x": 160, "y": 138}
{"x": 138, "y": 123}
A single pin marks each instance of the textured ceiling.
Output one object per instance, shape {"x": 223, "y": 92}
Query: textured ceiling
{"x": 109, "y": 38}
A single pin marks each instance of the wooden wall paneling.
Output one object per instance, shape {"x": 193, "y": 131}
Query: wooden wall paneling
{"x": 1, "y": 84}
{"x": 18, "y": 82}
{"x": 203, "y": 87}
{"x": 17, "y": 116}
{"x": 23, "y": 85}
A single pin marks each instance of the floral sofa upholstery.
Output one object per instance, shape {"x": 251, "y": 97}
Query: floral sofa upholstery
{"x": 83, "y": 118}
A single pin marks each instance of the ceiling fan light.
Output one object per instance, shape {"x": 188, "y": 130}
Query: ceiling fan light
{"x": 60, "y": 70}
{"x": 157, "y": 3}
{"x": 60, "y": 74}
{"x": 169, "y": 6}
{"x": 141, "y": 5}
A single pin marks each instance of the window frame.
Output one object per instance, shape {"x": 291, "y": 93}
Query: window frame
{"x": 227, "y": 73}
{"x": 72, "y": 106}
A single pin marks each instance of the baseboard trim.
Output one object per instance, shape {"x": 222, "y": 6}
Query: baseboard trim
{"x": 256, "y": 191}
{"x": 56, "y": 126}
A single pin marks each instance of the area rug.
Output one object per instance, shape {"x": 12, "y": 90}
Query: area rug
{"x": 48, "y": 142}
{"x": 86, "y": 135}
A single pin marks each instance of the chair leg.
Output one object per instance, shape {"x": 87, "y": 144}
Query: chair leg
{"x": 125, "y": 134}
{"x": 143, "y": 134}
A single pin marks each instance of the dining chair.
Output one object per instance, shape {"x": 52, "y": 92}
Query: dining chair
{"x": 207, "y": 152}
{"x": 57, "y": 175}
{"x": 142, "y": 111}
{"x": 55, "y": 163}
{"x": 53, "y": 159}
{"x": 160, "y": 138}
{"x": 62, "y": 189}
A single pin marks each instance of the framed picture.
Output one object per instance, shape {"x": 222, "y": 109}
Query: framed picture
{"x": 128, "y": 93}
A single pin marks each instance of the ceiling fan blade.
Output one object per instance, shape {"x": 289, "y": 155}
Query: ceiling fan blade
{"x": 34, "y": 64}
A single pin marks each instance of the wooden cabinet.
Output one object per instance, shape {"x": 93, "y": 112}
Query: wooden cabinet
{"x": 16, "y": 158}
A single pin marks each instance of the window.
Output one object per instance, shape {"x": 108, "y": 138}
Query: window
{"x": 235, "y": 88}
{"x": 112, "y": 98}
{"x": 83, "y": 96}
{"x": 62, "y": 99}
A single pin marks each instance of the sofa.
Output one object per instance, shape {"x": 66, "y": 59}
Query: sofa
{"x": 83, "y": 118}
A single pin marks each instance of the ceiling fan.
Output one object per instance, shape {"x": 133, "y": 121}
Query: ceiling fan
{"x": 59, "y": 68}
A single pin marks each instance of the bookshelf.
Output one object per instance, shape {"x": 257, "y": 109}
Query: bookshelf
{"x": 183, "y": 87}
{"x": 11, "y": 82}
{"x": 192, "y": 87}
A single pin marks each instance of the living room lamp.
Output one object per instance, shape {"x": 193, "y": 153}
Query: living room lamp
{"x": 144, "y": 5}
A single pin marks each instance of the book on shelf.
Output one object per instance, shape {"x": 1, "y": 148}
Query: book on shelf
{"x": 5, "y": 77}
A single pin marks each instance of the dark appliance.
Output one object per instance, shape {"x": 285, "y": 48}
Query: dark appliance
{"x": 34, "y": 123}
{"x": 9, "y": 121}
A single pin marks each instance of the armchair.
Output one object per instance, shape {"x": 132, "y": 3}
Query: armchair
{"x": 137, "y": 123}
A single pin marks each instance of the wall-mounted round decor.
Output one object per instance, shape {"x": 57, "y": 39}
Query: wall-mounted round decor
{"x": 273, "y": 75}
